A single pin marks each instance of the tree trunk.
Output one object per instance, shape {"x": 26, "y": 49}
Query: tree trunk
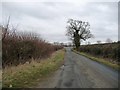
{"x": 77, "y": 40}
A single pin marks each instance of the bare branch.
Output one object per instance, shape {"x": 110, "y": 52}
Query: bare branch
{"x": 78, "y": 30}
{"x": 5, "y": 29}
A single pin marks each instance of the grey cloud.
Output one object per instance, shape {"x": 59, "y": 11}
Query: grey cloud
{"x": 51, "y": 17}
{"x": 38, "y": 10}
{"x": 119, "y": 21}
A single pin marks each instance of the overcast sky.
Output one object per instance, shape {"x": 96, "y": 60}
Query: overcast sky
{"x": 49, "y": 18}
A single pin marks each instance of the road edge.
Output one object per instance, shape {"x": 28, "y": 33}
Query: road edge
{"x": 99, "y": 60}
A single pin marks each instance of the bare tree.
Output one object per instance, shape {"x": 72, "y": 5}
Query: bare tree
{"x": 77, "y": 31}
{"x": 98, "y": 42}
{"x": 108, "y": 40}
{"x": 5, "y": 29}
{"x": 89, "y": 43}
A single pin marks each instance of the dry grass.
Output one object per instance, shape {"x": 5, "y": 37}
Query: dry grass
{"x": 0, "y": 75}
{"x": 27, "y": 74}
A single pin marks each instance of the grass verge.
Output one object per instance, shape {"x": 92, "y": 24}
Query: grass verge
{"x": 27, "y": 75}
{"x": 100, "y": 60}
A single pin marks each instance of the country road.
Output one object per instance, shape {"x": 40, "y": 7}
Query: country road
{"x": 81, "y": 72}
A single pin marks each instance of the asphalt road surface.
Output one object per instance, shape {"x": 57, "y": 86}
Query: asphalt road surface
{"x": 81, "y": 72}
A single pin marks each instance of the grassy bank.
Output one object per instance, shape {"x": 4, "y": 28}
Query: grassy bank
{"x": 28, "y": 74}
{"x": 100, "y": 60}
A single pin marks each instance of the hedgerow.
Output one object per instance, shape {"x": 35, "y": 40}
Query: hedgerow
{"x": 108, "y": 50}
{"x": 18, "y": 48}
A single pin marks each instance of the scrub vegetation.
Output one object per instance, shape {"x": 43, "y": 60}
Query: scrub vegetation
{"x": 18, "y": 48}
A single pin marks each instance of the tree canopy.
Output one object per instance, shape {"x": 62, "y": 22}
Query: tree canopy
{"x": 78, "y": 30}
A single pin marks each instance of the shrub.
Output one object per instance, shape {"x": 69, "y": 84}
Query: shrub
{"x": 21, "y": 47}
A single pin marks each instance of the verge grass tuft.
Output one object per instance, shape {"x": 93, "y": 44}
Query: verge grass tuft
{"x": 28, "y": 74}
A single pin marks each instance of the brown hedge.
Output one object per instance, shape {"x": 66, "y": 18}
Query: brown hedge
{"x": 22, "y": 47}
